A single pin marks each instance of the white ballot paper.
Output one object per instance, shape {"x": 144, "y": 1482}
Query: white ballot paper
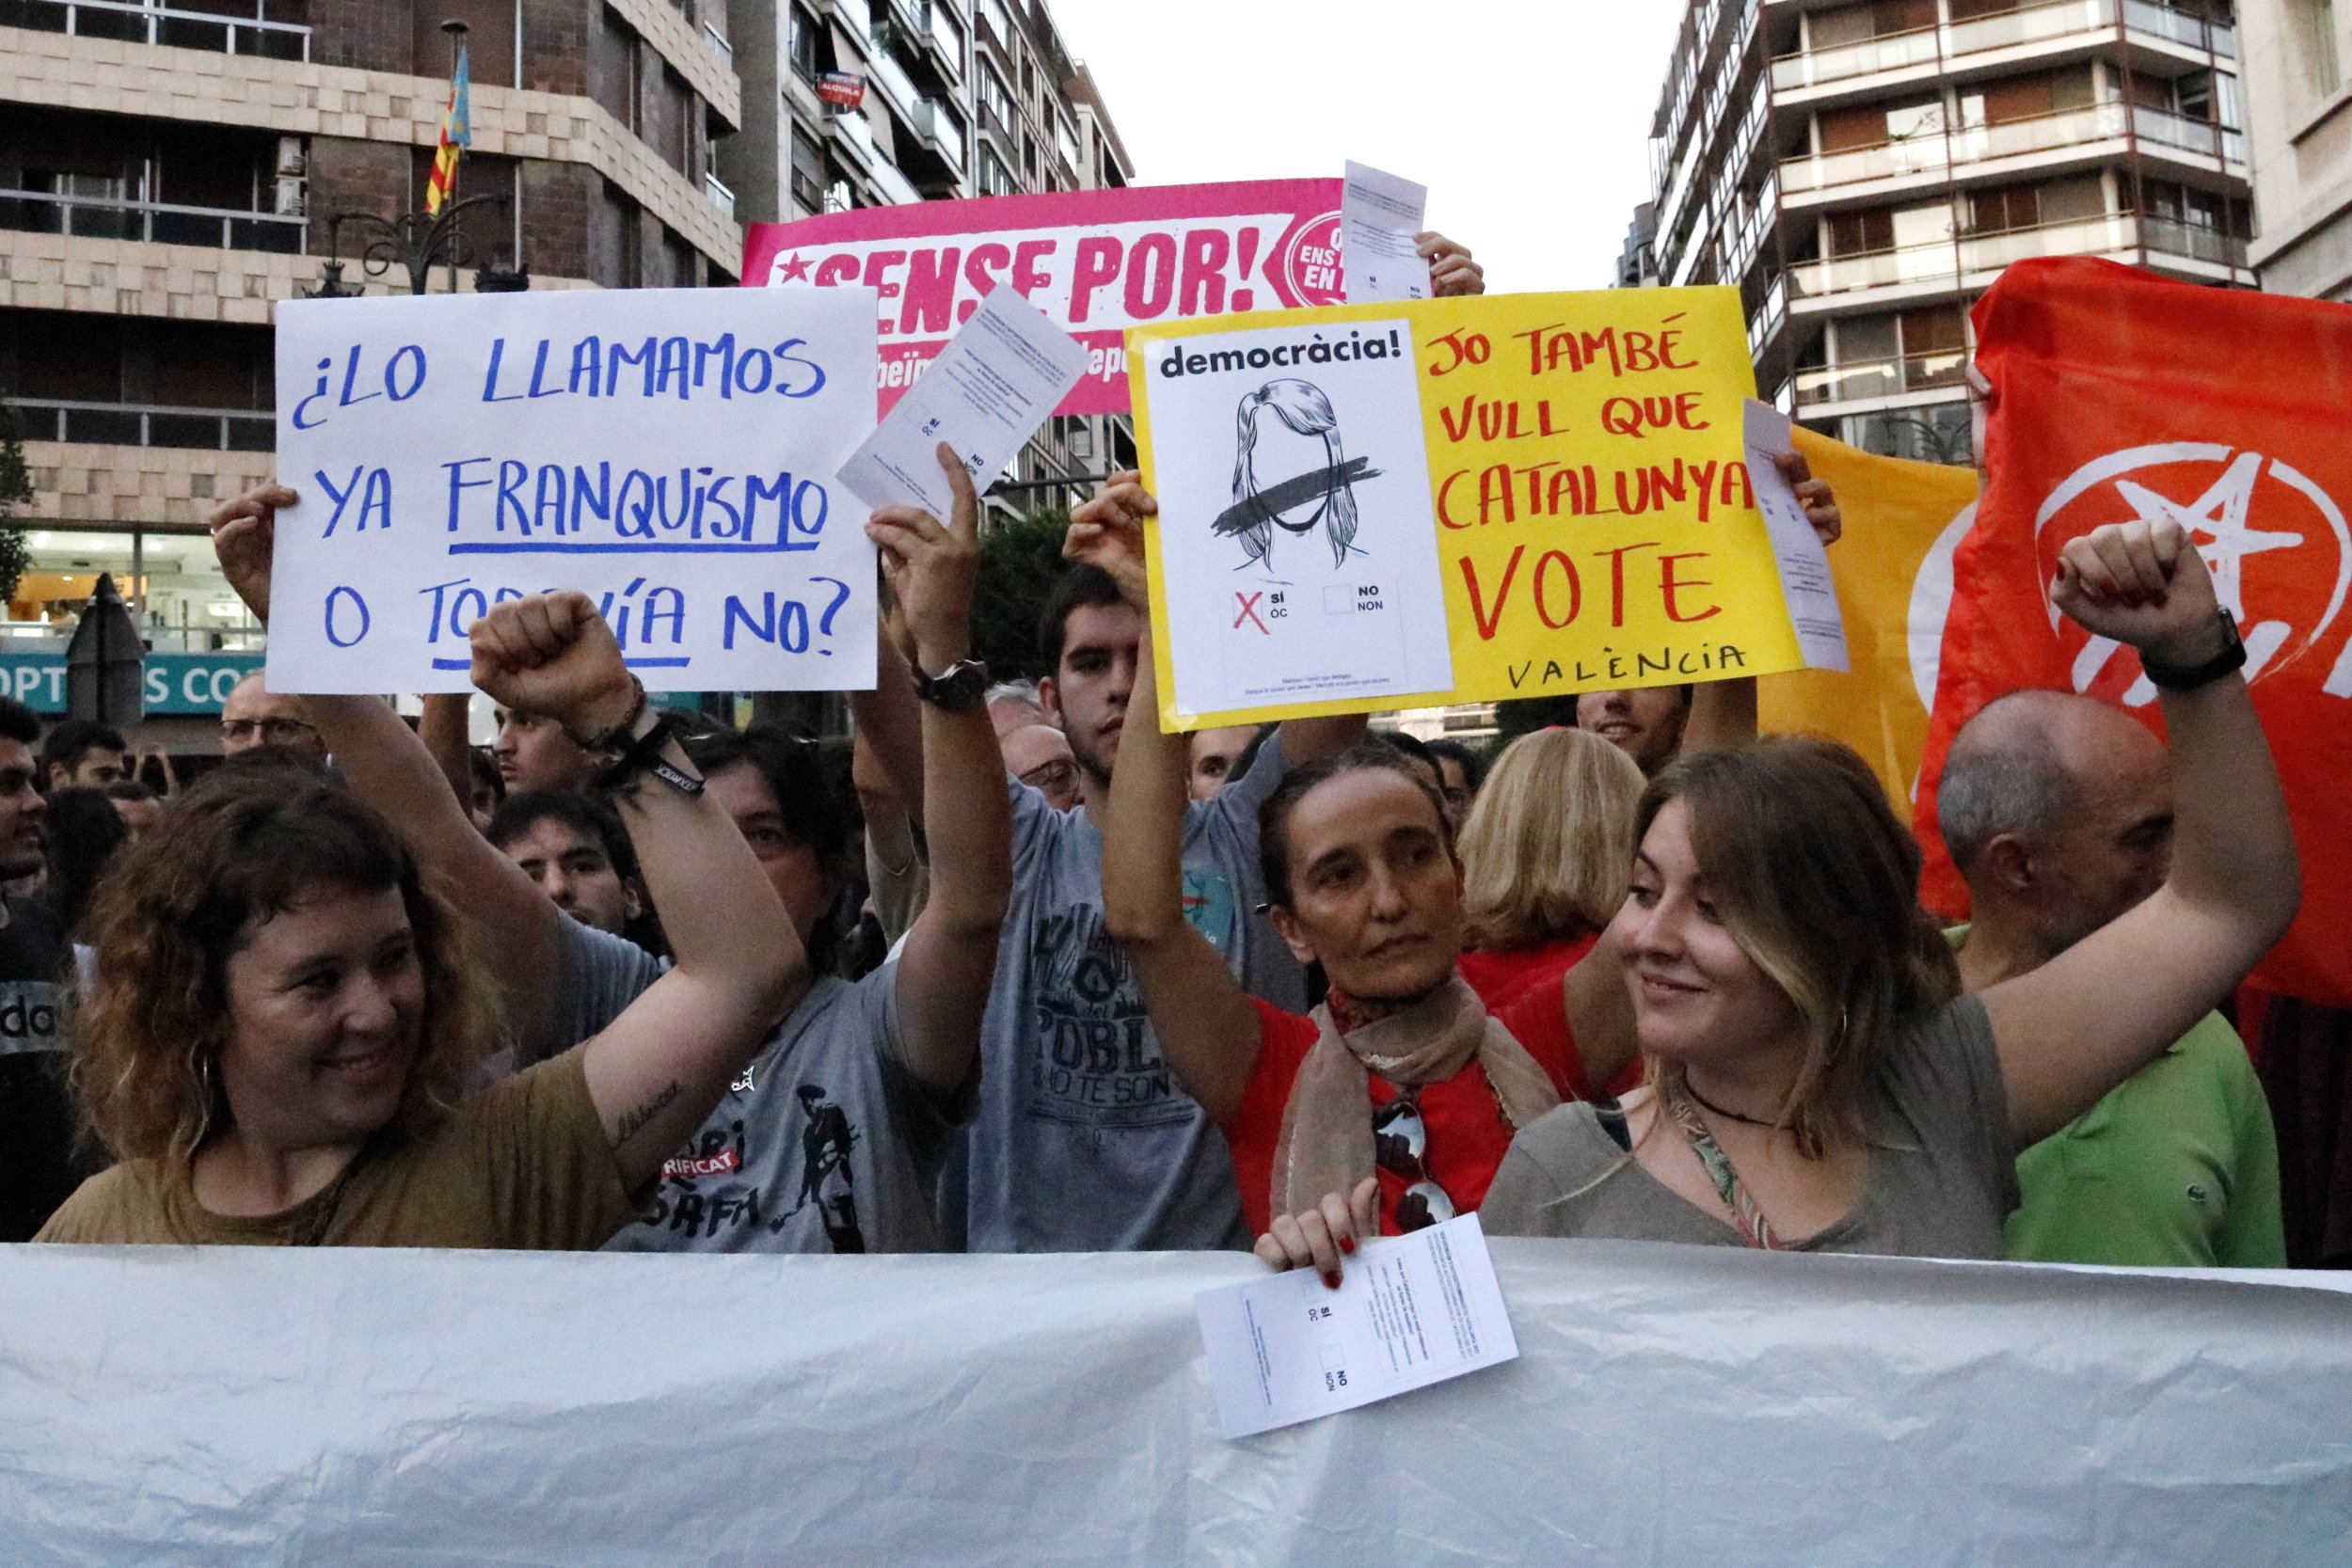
{"x": 1379, "y": 215}
{"x": 1410, "y": 1311}
{"x": 1804, "y": 579}
{"x": 987, "y": 393}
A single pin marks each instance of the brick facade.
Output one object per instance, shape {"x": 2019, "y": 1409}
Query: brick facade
{"x": 292, "y": 98}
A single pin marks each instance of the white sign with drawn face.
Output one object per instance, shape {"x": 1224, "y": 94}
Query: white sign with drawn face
{"x": 669, "y": 451}
{"x": 1297, "y": 541}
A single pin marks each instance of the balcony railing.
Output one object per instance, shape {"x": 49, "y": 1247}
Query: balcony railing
{"x": 2006, "y": 29}
{"x": 1932, "y": 150}
{"x": 2180, "y": 27}
{"x": 2174, "y": 238}
{"x": 145, "y": 424}
{"x": 132, "y": 23}
{"x": 721, "y": 196}
{"x": 895, "y": 85}
{"x": 100, "y": 217}
{"x": 945, "y": 37}
{"x": 933, "y": 122}
{"x": 1881, "y": 378}
{"x": 1946, "y": 261}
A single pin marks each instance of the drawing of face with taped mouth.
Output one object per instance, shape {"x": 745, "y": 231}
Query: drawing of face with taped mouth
{"x": 1290, "y": 474}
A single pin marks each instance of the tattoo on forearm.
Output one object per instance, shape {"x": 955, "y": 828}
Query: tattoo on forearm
{"x": 633, "y": 1122}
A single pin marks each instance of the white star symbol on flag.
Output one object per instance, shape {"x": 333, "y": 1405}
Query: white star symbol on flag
{"x": 2220, "y": 515}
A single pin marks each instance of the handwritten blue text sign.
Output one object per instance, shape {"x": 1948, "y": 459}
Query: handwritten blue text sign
{"x": 670, "y": 452}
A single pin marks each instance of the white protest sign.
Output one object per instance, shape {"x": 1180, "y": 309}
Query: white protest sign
{"x": 1303, "y": 567}
{"x": 669, "y": 451}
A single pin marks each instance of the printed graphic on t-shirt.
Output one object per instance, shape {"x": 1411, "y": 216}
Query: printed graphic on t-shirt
{"x": 1094, "y": 1059}
{"x": 32, "y": 1016}
{"x": 703, "y": 1189}
{"x": 1209, "y": 908}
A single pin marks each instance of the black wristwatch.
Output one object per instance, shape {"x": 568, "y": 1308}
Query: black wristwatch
{"x": 956, "y": 688}
{"x": 2188, "y": 677}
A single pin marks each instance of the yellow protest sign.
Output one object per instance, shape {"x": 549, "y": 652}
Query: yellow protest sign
{"x": 1894, "y": 580}
{"x": 1375, "y": 506}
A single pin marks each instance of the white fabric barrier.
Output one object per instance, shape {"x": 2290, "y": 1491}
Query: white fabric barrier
{"x": 1672, "y": 1406}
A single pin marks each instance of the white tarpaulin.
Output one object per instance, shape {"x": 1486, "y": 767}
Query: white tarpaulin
{"x": 1671, "y": 1406}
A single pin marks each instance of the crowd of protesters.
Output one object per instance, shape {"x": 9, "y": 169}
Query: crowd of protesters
{"x": 1006, "y": 974}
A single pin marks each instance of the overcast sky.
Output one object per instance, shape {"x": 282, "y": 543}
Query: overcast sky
{"x": 1528, "y": 120}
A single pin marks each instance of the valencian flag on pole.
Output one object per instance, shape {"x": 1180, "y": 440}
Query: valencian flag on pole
{"x": 2118, "y": 395}
{"x": 457, "y": 135}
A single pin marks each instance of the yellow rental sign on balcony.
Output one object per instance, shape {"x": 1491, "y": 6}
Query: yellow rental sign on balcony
{"x": 1463, "y": 499}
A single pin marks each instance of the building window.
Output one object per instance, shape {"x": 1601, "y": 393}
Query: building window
{"x": 808, "y": 171}
{"x": 995, "y": 102}
{"x": 807, "y": 45}
{"x": 995, "y": 178}
{"x": 2319, "y": 27}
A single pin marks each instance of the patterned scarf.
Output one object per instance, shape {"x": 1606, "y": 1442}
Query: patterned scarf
{"x": 1326, "y": 1145}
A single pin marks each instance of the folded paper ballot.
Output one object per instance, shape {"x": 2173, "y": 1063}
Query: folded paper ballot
{"x": 1410, "y": 1310}
{"x": 988, "y": 391}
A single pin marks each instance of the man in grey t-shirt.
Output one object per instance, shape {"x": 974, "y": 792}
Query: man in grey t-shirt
{"x": 827, "y": 1142}
{"x": 1084, "y": 1141}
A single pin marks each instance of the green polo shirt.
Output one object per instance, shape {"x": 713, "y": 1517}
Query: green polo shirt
{"x": 2178, "y": 1166}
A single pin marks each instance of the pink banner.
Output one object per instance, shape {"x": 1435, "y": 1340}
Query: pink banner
{"x": 1096, "y": 262}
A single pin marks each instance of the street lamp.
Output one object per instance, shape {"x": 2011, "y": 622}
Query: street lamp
{"x": 106, "y": 663}
{"x": 415, "y": 241}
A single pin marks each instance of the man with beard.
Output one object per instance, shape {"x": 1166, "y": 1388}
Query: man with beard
{"x": 38, "y": 1171}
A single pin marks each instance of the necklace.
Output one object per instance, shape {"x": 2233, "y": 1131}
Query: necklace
{"x": 1706, "y": 1104}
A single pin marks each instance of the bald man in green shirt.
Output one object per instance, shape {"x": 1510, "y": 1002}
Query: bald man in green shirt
{"x": 2057, "y": 810}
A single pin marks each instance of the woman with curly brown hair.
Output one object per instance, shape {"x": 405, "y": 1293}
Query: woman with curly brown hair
{"x": 285, "y": 1017}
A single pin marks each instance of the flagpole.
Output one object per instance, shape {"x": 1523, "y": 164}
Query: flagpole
{"x": 456, "y": 31}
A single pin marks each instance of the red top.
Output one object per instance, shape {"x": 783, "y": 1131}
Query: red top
{"x": 1502, "y": 978}
{"x": 1467, "y": 1132}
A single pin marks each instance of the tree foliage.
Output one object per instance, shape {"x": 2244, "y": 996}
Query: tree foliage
{"x": 1020, "y": 561}
{"x": 16, "y": 488}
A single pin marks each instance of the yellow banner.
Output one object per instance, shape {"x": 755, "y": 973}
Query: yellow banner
{"x": 1893, "y": 570}
{"x": 1575, "y": 459}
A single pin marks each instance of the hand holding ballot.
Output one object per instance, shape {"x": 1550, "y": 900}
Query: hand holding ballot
{"x": 1320, "y": 1236}
{"x": 1451, "y": 273}
{"x": 931, "y": 566}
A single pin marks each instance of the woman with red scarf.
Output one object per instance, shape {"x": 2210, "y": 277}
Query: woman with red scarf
{"x": 1400, "y": 1090}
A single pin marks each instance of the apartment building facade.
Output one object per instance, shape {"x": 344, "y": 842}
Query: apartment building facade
{"x": 852, "y": 103}
{"x": 170, "y": 170}
{"x": 1862, "y": 172}
{"x": 2298, "y": 107}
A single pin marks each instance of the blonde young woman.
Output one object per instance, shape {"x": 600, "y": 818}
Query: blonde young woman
{"x": 1814, "y": 1080}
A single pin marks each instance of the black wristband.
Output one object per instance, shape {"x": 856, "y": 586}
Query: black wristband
{"x": 643, "y": 756}
{"x": 2188, "y": 677}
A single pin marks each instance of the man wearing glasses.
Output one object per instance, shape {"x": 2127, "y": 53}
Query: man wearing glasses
{"x": 1040, "y": 757}
{"x": 253, "y": 715}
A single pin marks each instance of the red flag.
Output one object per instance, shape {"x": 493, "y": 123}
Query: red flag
{"x": 2118, "y": 395}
